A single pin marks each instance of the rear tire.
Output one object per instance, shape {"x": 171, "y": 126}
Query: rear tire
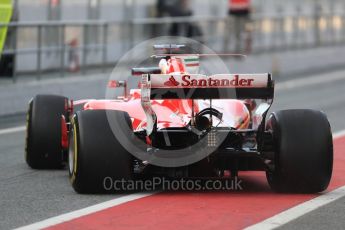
{"x": 43, "y": 139}
{"x": 303, "y": 151}
{"x": 96, "y": 154}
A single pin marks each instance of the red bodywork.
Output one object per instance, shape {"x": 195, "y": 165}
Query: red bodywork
{"x": 173, "y": 113}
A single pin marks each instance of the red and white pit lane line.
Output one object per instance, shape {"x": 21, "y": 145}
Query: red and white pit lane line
{"x": 256, "y": 207}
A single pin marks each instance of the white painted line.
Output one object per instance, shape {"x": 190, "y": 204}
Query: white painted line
{"x": 12, "y": 130}
{"x": 299, "y": 210}
{"x": 303, "y": 82}
{"x": 82, "y": 212}
{"x": 304, "y": 208}
{"x": 338, "y": 134}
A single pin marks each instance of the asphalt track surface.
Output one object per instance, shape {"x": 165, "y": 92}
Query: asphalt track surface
{"x": 28, "y": 196}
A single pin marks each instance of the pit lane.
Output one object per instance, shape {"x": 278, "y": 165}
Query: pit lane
{"x": 28, "y": 196}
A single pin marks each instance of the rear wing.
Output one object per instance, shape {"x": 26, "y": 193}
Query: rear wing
{"x": 198, "y": 86}
{"x": 219, "y": 86}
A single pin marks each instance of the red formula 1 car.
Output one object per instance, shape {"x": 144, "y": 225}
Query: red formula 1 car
{"x": 180, "y": 123}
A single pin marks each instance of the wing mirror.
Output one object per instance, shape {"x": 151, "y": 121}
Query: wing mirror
{"x": 119, "y": 84}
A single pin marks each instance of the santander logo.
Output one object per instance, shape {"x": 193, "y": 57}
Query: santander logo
{"x": 171, "y": 82}
{"x": 189, "y": 81}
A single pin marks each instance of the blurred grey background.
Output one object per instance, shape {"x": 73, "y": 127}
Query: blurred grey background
{"x": 62, "y": 37}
